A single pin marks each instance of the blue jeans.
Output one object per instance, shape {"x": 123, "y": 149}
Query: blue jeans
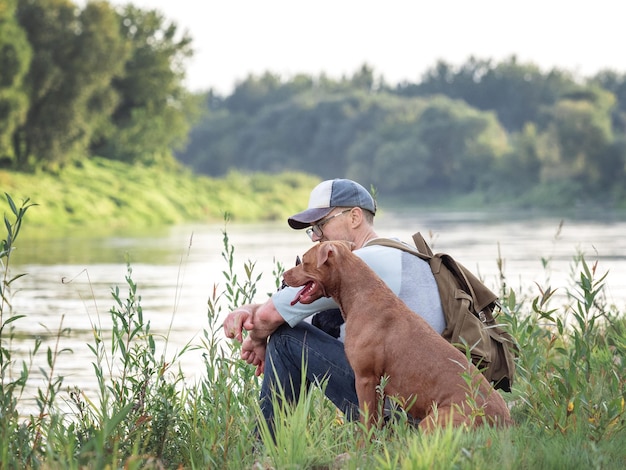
{"x": 325, "y": 360}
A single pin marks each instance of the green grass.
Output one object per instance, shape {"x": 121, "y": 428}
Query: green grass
{"x": 105, "y": 194}
{"x": 567, "y": 400}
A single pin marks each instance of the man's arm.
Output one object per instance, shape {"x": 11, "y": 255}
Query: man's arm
{"x": 264, "y": 320}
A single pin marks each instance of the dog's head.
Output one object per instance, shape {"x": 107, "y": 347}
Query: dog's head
{"x": 316, "y": 272}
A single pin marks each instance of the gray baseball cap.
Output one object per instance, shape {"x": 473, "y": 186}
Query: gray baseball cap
{"x": 330, "y": 194}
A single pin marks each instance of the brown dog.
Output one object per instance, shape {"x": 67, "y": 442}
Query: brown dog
{"x": 384, "y": 338}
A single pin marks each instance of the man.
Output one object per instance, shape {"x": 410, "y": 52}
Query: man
{"x": 279, "y": 342}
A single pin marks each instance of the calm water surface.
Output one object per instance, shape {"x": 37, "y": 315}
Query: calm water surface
{"x": 70, "y": 279}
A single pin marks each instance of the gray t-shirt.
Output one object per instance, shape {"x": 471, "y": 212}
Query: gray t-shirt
{"x": 408, "y": 276}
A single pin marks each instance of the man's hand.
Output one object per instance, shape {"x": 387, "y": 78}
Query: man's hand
{"x": 260, "y": 321}
{"x": 253, "y": 352}
{"x": 233, "y": 324}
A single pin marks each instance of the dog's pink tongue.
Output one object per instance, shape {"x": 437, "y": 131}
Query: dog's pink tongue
{"x": 300, "y": 293}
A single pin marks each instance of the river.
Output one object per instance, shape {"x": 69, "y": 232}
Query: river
{"x": 69, "y": 279}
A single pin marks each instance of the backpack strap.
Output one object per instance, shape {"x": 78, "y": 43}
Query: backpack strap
{"x": 400, "y": 246}
{"x": 423, "y": 250}
{"x": 421, "y": 244}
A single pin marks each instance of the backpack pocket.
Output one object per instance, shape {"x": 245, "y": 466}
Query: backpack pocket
{"x": 502, "y": 368}
{"x": 469, "y": 332}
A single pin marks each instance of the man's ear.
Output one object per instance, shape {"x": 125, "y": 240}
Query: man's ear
{"x": 356, "y": 216}
{"x": 323, "y": 253}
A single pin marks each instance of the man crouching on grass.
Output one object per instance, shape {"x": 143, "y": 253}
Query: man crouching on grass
{"x": 278, "y": 340}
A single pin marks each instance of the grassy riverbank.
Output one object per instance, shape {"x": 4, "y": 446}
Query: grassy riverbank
{"x": 104, "y": 194}
{"x": 567, "y": 400}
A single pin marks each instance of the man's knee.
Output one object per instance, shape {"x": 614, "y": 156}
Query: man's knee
{"x": 287, "y": 342}
{"x": 286, "y": 334}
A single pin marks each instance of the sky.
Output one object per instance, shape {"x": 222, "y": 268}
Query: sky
{"x": 399, "y": 39}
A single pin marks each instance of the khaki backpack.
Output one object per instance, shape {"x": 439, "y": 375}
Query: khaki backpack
{"x": 468, "y": 306}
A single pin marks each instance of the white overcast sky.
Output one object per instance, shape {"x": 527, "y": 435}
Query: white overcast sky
{"x": 400, "y": 39}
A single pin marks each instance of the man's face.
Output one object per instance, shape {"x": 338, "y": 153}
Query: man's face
{"x": 332, "y": 227}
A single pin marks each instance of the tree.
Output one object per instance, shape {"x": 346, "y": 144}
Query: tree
{"x": 15, "y": 57}
{"x": 75, "y": 55}
{"x": 520, "y": 169}
{"x": 214, "y": 142}
{"x": 364, "y": 79}
{"x": 392, "y": 157}
{"x": 516, "y": 92}
{"x": 154, "y": 113}
{"x": 462, "y": 143}
{"x": 616, "y": 84}
{"x": 254, "y": 93}
{"x": 580, "y": 125}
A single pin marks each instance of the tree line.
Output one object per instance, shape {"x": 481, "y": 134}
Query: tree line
{"x": 103, "y": 81}
{"x": 76, "y": 82}
{"x": 505, "y": 131}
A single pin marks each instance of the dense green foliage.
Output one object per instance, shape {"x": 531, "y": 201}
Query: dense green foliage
{"x": 507, "y": 131}
{"x": 567, "y": 400}
{"x": 93, "y": 81}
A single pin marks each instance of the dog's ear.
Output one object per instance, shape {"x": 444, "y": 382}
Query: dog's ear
{"x": 324, "y": 251}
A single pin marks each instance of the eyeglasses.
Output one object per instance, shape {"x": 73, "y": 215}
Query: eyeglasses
{"x": 316, "y": 229}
